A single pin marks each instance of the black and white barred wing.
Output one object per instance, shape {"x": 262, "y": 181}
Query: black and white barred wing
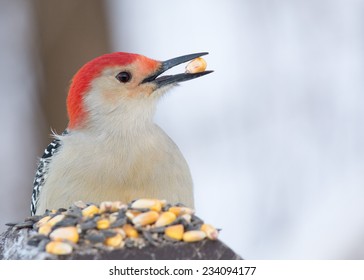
{"x": 42, "y": 171}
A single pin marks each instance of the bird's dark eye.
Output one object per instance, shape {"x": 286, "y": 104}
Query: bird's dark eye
{"x": 123, "y": 77}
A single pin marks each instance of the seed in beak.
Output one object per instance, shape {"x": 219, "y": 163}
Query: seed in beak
{"x": 196, "y": 66}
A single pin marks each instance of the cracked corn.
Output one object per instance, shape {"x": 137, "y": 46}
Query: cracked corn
{"x": 114, "y": 225}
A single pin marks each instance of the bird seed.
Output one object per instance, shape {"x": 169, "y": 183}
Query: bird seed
{"x": 114, "y": 225}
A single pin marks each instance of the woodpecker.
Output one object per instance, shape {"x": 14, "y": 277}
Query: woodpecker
{"x": 111, "y": 148}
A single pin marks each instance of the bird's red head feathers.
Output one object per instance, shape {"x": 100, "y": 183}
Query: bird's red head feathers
{"x": 81, "y": 81}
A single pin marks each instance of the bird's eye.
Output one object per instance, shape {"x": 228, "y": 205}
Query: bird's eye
{"x": 123, "y": 77}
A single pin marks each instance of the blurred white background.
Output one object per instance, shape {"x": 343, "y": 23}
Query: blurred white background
{"x": 274, "y": 137}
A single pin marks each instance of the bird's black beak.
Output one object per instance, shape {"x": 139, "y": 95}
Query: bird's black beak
{"x": 161, "y": 81}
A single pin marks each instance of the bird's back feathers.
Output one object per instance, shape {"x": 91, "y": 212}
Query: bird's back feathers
{"x": 42, "y": 170}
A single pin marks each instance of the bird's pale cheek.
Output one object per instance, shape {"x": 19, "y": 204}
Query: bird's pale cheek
{"x": 141, "y": 91}
{"x": 110, "y": 96}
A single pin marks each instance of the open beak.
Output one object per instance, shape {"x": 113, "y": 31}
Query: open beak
{"x": 161, "y": 81}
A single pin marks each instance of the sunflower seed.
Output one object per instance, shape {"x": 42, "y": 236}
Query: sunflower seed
{"x": 27, "y": 224}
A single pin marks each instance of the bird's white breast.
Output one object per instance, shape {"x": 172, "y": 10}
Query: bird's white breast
{"x": 121, "y": 166}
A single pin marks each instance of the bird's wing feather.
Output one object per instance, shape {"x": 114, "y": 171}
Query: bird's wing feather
{"x": 42, "y": 171}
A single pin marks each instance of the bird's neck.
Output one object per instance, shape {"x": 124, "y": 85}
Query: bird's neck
{"x": 126, "y": 117}
{"x": 123, "y": 124}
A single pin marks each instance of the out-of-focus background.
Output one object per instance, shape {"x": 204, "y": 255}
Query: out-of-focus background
{"x": 274, "y": 137}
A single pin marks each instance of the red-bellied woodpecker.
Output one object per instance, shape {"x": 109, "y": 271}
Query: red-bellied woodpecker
{"x": 112, "y": 149}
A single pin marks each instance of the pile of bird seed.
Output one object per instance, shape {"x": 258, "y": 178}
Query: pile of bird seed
{"x": 114, "y": 225}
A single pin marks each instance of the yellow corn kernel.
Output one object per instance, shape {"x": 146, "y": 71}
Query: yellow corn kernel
{"x": 196, "y": 66}
{"x": 115, "y": 241}
{"x": 90, "y": 211}
{"x": 180, "y": 210}
{"x": 146, "y": 218}
{"x": 103, "y": 223}
{"x": 59, "y": 248}
{"x": 193, "y": 236}
{"x": 210, "y": 231}
{"x": 174, "y": 232}
{"x": 151, "y": 204}
{"x": 45, "y": 229}
{"x": 55, "y": 220}
{"x": 165, "y": 219}
{"x": 130, "y": 231}
{"x": 65, "y": 233}
{"x": 43, "y": 221}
